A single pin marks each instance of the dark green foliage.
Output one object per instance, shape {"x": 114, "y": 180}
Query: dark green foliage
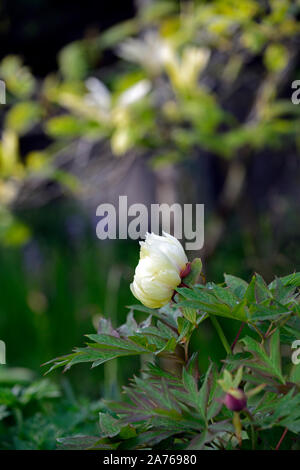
{"x": 172, "y": 404}
{"x": 34, "y": 414}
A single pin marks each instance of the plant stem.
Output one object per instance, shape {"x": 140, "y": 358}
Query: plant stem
{"x": 258, "y": 331}
{"x": 221, "y": 334}
{"x": 281, "y": 439}
{"x": 279, "y": 325}
{"x": 237, "y": 336}
{"x": 237, "y": 426}
{"x": 186, "y": 351}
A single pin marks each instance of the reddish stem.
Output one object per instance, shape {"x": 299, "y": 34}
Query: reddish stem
{"x": 182, "y": 284}
{"x": 281, "y": 439}
{"x": 237, "y": 336}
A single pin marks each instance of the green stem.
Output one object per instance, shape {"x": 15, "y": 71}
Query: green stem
{"x": 186, "y": 351}
{"x": 221, "y": 334}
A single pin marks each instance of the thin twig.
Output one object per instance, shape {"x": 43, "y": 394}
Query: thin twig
{"x": 281, "y": 439}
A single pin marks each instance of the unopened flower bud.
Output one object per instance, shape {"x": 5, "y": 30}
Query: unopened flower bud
{"x": 162, "y": 264}
{"x": 235, "y": 399}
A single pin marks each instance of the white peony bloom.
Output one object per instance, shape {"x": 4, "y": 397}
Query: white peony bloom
{"x": 162, "y": 261}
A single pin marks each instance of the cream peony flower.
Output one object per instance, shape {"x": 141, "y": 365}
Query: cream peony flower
{"x": 162, "y": 263}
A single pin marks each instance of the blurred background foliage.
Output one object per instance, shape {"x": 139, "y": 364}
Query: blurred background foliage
{"x": 161, "y": 100}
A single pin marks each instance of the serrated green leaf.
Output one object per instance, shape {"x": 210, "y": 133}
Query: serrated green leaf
{"x": 275, "y": 354}
{"x": 203, "y": 394}
{"x": 184, "y": 328}
{"x": 190, "y": 386}
{"x": 290, "y": 280}
{"x": 190, "y": 314}
{"x": 263, "y": 362}
{"x": 169, "y": 347}
{"x": 250, "y": 292}
{"x": 224, "y": 295}
{"x": 267, "y": 312}
{"x": 166, "y": 331}
{"x": 237, "y": 285}
{"x": 261, "y": 290}
{"x": 84, "y": 443}
{"x": 112, "y": 342}
{"x": 109, "y": 426}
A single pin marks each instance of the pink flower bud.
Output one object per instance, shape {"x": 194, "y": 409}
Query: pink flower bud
{"x": 235, "y": 399}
